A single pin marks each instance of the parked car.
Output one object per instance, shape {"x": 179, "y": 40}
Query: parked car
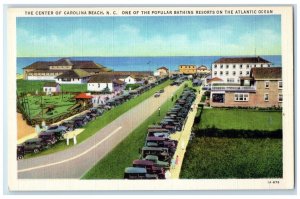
{"x": 162, "y": 153}
{"x": 59, "y": 131}
{"x": 157, "y": 162}
{"x": 81, "y": 120}
{"x": 48, "y": 137}
{"x": 149, "y": 166}
{"x": 71, "y": 125}
{"x": 20, "y": 152}
{"x": 138, "y": 173}
{"x": 34, "y": 145}
{"x": 96, "y": 111}
{"x": 156, "y": 94}
{"x": 162, "y": 91}
{"x": 161, "y": 142}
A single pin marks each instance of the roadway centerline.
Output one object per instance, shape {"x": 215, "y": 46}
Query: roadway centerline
{"x": 73, "y": 158}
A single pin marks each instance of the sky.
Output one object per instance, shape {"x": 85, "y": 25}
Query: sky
{"x": 149, "y": 36}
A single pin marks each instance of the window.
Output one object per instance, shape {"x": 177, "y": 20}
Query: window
{"x": 233, "y": 73}
{"x": 261, "y": 65}
{"x": 221, "y": 72}
{"x": 241, "y": 66}
{"x": 241, "y": 97}
{"x": 247, "y": 65}
{"x": 230, "y": 80}
{"x": 233, "y": 66}
{"x": 215, "y": 72}
{"x": 215, "y": 65}
{"x": 280, "y": 97}
{"x": 267, "y": 84}
{"x": 266, "y": 97}
{"x": 269, "y": 65}
{"x": 248, "y": 72}
{"x": 218, "y": 97}
{"x": 241, "y": 72}
{"x": 98, "y": 85}
{"x": 226, "y": 72}
{"x": 280, "y": 85}
{"x": 227, "y": 66}
{"x": 221, "y": 66}
{"x": 254, "y": 65}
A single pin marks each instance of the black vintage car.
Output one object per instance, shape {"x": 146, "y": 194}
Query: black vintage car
{"x": 81, "y": 120}
{"x": 20, "y": 152}
{"x": 71, "y": 124}
{"x": 49, "y": 137}
{"x": 34, "y": 145}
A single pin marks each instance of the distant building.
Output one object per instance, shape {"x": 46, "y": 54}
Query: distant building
{"x": 203, "y": 70}
{"x": 100, "y": 83}
{"x": 230, "y": 69}
{"x": 51, "y": 87}
{"x": 161, "y": 72}
{"x": 49, "y": 70}
{"x": 130, "y": 80}
{"x": 188, "y": 69}
{"x": 263, "y": 88}
{"x": 76, "y": 76}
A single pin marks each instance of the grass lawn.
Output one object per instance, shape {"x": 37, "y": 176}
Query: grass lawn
{"x": 222, "y": 157}
{"x": 113, "y": 164}
{"x": 241, "y": 119}
{"x": 33, "y": 86}
{"x": 61, "y": 105}
{"x": 214, "y": 158}
{"x": 132, "y": 86}
{"x": 94, "y": 126}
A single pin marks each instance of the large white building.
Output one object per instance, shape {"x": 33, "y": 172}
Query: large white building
{"x": 230, "y": 69}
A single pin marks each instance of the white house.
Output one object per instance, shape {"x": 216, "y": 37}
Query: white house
{"x": 130, "y": 80}
{"x": 76, "y": 76}
{"x": 162, "y": 71}
{"x": 51, "y": 87}
{"x": 100, "y": 83}
{"x": 230, "y": 69}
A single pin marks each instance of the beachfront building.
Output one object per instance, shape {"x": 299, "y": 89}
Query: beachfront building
{"x": 76, "y": 76}
{"x": 50, "y": 70}
{"x": 188, "y": 69}
{"x": 161, "y": 72}
{"x": 130, "y": 79}
{"x": 230, "y": 69}
{"x": 108, "y": 83}
{"x": 262, "y": 88}
{"x": 51, "y": 87}
{"x": 203, "y": 70}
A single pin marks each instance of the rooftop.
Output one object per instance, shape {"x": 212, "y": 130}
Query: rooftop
{"x": 76, "y": 73}
{"x": 228, "y": 60}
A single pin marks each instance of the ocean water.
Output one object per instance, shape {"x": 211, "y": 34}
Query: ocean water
{"x": 140, "y": 63}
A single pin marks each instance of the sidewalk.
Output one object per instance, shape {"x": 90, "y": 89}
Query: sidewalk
{"x": 183, "y": 138}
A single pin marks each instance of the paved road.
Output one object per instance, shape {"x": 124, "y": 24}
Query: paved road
{"x": 74, "y": 162}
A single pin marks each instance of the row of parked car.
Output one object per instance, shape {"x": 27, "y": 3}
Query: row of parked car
{"x": 159, "y": 149}
{"x": 55, "y": 133}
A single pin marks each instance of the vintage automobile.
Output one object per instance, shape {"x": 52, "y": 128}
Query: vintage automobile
{"x": 81, "y": 120}
{"x": 136, "y": 173}
{"x": 49, "y": 137}
{"x": 162, "y": 153}
{"x": 34, "y": 145}
{"x": 71, "y": 125}
{"x": 158, "y": 132}
{"x": 161, "y": 142}
{"x": 162, "y": 91}
{"x": 157, "y": 162}
{"x": 157, "y": 94}
{"x": 59, "y": 131}
{"x": 149, "y": 166}
{"x": 96, "y": 111}
{"x": 20, "y": 152}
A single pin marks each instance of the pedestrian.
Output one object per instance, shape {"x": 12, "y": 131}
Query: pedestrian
{"x": 192, "y": 108}
{"x": 158, "y": 111}
{"x": 177, "y": 160}
{"x": 173, "y": 163}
